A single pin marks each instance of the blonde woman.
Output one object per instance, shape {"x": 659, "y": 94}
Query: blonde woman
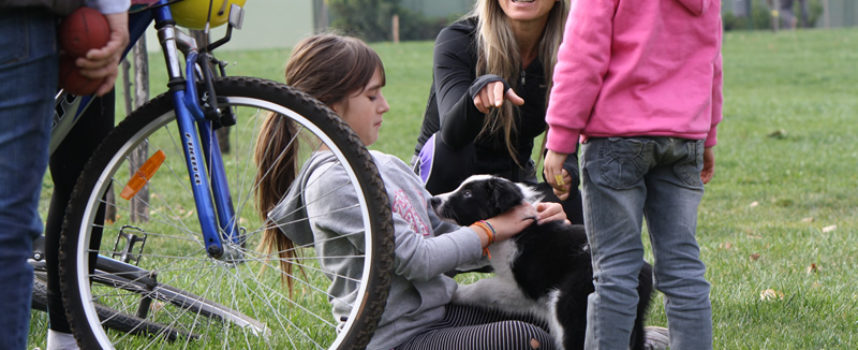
{"x": 491, "y": 75}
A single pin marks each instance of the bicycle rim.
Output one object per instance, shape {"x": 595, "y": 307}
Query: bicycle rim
{"x": 176, "y": 295}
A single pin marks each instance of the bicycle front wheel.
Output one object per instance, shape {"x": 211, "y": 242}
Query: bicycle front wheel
{"x": 145, "y": 259}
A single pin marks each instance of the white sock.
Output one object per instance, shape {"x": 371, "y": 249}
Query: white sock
{"x": 61, "y": 341}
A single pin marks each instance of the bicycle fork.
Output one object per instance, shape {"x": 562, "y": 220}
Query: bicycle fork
{"x": 208, "y": 181}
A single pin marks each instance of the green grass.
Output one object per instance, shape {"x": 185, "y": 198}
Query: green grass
{"x": 782, "y": 210}
{"x": 784, "y": 195}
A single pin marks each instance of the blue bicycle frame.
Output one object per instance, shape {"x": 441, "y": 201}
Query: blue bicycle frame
{"x": 202, "y": 155}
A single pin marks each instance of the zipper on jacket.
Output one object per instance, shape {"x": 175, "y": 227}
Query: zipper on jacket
{"x": 522, "y": 77}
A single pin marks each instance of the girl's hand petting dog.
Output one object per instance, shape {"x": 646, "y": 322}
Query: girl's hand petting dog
{"x": 548, "y": 211}
{"x": 516, "y": 219}
{"x": 513, "y": 221}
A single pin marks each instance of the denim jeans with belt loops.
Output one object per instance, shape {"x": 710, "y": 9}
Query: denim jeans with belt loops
{"x": 624, "y": 181}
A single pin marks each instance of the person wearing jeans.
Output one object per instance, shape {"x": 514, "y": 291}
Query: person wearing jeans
{"x": 640, "y": 84}
{"x": 29, "y": 69}
{"x": 28, "y": 80}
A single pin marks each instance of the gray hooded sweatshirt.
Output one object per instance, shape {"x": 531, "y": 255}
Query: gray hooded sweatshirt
{"x": 419, "y": 291}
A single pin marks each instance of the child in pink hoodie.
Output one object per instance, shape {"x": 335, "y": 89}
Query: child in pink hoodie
{"x": 639, "y": 83}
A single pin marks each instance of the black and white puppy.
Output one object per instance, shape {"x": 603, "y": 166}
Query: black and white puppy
{"x": 545, "y": 270}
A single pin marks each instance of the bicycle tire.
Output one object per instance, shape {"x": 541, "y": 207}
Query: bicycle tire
{"x": 178, "y": 257}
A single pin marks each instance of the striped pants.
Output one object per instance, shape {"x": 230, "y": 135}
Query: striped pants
{"x": 472, "y": 328}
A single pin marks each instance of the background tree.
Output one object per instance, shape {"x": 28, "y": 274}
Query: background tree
{"x": 366, "y": 19}
{"x": 371, "y": 20}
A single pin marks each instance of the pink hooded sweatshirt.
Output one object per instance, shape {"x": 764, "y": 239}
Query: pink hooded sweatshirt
{"x": 637, "y": 68}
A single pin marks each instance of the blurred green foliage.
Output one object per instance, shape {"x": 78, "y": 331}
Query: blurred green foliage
{"x": 761, "y": 16}
{"x": 372, "y": 20}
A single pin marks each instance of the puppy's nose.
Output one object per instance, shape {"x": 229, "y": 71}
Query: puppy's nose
{"x": 435, "y": 202}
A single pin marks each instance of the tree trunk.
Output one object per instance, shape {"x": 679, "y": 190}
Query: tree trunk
{"x": 140, "y": 202}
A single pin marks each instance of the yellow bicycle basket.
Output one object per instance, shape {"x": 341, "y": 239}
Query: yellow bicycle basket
{"x": 192, "y": 13}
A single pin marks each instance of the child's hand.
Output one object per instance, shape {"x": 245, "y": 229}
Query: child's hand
{"x": 708, "y": 165}
{"x": 492, "y": 96}
{"x": 513, "y": 221}
{"x": 549, "y": 211}
{"x": 555, "y": 175}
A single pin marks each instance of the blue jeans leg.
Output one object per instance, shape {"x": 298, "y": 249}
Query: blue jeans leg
{"x": 624, "y": 180}
{"x": 674, "y": 194}
{"x": 613, "y": 193}
{"x": 28, "y": 82}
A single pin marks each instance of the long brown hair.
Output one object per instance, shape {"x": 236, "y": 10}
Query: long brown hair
{"x": 495, "y": 45}
{"x": 330, "y": 68}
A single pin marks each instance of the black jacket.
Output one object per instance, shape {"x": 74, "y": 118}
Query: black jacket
{"x": 451, "y": 110}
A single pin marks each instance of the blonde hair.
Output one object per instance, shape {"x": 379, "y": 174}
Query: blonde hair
{"x": 330, "y": 68}
{"x": 495, "y": 42}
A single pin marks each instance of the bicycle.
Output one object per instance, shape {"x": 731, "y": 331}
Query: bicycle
{"x": 189, "y": 276}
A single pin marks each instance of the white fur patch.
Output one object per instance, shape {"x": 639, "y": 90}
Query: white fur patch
{"x": 529, "y": 193}
{"x": 553, "y": 322}
{"x": 500, "y": 291}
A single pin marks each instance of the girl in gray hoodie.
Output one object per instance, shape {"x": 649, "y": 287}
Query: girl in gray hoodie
{"x": 347, "y": 75}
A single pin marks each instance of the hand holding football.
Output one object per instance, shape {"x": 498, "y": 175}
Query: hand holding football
{"x": 82, "y": 30}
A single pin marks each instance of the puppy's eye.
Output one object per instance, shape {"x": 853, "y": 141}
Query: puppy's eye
{"x": 467, "y": 194}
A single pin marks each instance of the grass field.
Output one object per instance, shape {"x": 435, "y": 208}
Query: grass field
{"x": 781, "y": 212}
{"x": 778, "y": 226}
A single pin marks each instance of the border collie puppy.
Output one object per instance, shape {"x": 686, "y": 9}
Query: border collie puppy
{"x": 545, "y": 270}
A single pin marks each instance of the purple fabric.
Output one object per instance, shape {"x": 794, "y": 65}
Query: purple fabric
{"x": 427, "y": 153}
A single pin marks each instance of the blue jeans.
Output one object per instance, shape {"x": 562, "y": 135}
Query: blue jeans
{"x": 28, "y": 82}
{"x": 625, "y": 180}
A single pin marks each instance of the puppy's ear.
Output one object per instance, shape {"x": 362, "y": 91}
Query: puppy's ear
{"x": 504, "y": 194}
